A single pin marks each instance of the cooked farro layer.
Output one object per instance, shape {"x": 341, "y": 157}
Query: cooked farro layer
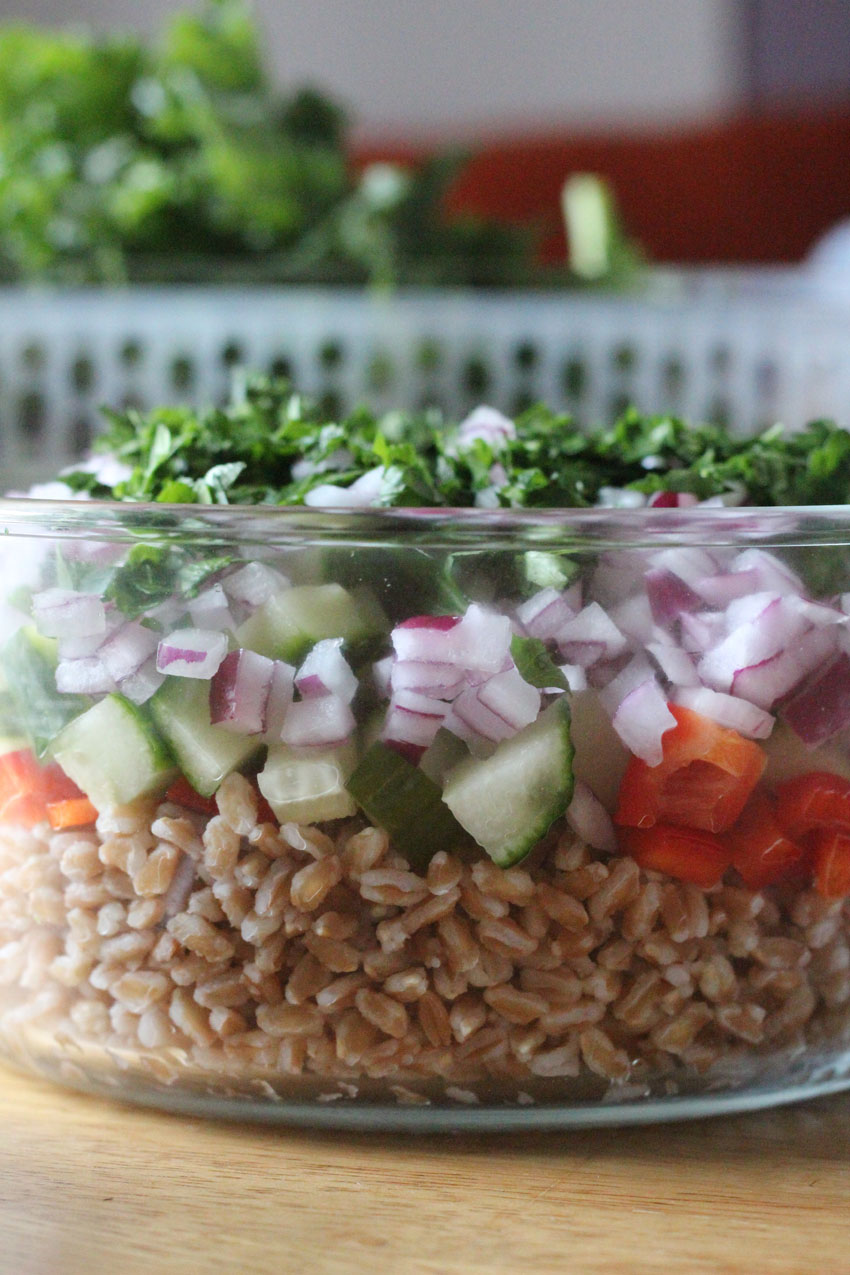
{"x": 247, "y": 949}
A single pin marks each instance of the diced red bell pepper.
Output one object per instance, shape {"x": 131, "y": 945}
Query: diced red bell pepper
{"x": 703, "y": 781}
{"x": 182, "y": 793}
{"x": 686, "y": 853}
{"x": 831, "y": 859}
{"x": 26, "y": 788}
{"x": 815, "y": 800}
{"x": 71, "y": 812}
{"x": 761, "y": 851}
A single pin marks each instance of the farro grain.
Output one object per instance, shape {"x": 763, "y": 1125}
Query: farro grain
{"x": 505, "y": 938}
{"x": 515, "y": 1006}
{"x": 602, "y": 1056}
{"x": 444, "y": 873}
{"x": 407, "y": 985}
{"x": 335, "y": 925}
{"x": 289, "y": 1020}
{"x": 237, "y": 803}
{"x": 340, "y": 993}
{"x": 466, "y": 1016}
{"x": 433, "y": 909}
{"x": 562, "y": 907}
{"x": 198, "y": 936}
{"x": 388, "y": 1015}
{"x": 563, "y": 1018}
{"x": 434, "y": 1020}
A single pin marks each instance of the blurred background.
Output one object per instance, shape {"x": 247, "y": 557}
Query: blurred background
{"x": 594, "y": 203}
{"x": 722, "y": 125}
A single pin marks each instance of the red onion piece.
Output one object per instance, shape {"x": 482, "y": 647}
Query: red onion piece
{"x": 442, "y": 623}
{"x": 444, "y": 681}
{"x": 413, "y": 729}
{"x": 774, "y": 678}
{"x": 209, "y": 610}
{"x": 633, "y": 617}
{"x": 281, "y": 690}
{"x": 68, "y": 613}
{"x": 675, "y": 664}
{"x": 721, "y": 589}
{"x": 822, "y": 707}
{"x": 576, "y": 679}
{"x": 488, "y": 424}
{"x": 422, "y": 705}
{"x": 191, "y": 653}
{"x": 672, "y": 500}
{"x": 773, "y": 628}
{"x": 254, "y": 584}
{"x": 589, "y": 819}
{"x": 381, "y": 675}
{"x": 690, "y": 565}
{"x": 701, "y": 632}
{"x": 641, "y": 720}
{"x": 84, "y": 677}
{"x": 669, "y": 596}
{"x": 145, "y": 682}
{"x": 239, "y": 692}
{"x": 363, "y": 492}
{"x": 772, "y": 573}
{"x": 322, "y": 722}
{"x": 544, "y": 614}
{"x": 326, "y": 671}
{"x": 479, "y": 641}
{"x": 726, "y": 710}
{"x": 510, "y": 697}
{"x": 128, "y": 649}
{"x": 591, "y": 628}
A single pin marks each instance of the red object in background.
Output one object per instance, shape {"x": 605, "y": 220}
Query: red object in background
{"x": 753, "y": 189}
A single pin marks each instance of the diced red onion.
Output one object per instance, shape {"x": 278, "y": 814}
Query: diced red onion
{"x": 822, "y": 707}
{"x": 382, "y": 673}
{"x": 636, "y": 671}
{"x": 191, "y": 653}
{"x": 576, "y": 678}
{"x": 641, "y": 720}
{"x": 68, "y": 613}
{"x": 589, "y": 819}
{"x": 84, "y": 677}
{"x": 128, "y": 649}
{"x": 168, "y": 612}
{"x": 669, "y": 596}
{"x": 672, "y": 500}
{"x": 769, "y": 633}
{"x": 145, "y": 682}
{"x": 689, "y": 564}
{"x": 702, "y": 631}
{"x": 479, "y": 641}
{"x": 544, "y": 614}
{"x": 422, "y": 705}
{"x": 416, "y": 730}
{"x": 772, "y": 573}
{"x": 322, "y": 722}
{"x": 281, "y": 691}
{"x": 488, "y": 424}
{"x": 326, "y": 671}
{"x": 477, "y": 718}
{"x": 618, "y": 574}
{"x": 442, "y": 623}
{"x": 239, "y": 692}
{"x": 633, "y": 617}
{"x": 675, "y": 664}
{"x": 254, "y": 584}
{"x": 511, "y": 698}
{"x": 591, "y": 628}
{"x": 727, "y": 710}
{"x": 443, "y": 681}
{"x": 720, "y": 589}
{"x": 363, "y": 492}
{"x": 209, "y": 610}
{"x": 773, "y": 679}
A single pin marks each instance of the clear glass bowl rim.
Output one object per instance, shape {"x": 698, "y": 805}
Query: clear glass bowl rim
{"x": 441, "y": 528}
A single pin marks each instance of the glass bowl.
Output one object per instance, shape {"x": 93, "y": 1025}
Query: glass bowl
{"x": 197, "y": 911}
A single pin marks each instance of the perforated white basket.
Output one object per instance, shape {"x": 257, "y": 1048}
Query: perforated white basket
{"x": 744, "y": 348}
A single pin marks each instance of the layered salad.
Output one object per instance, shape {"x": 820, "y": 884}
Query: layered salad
{"x": 425, "y": 807}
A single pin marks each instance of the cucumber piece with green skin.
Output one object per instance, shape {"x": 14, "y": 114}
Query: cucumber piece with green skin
{"x": 308, "y": 786}
{"x": 509, "y": 801}
{"x": 113, "y": 753}
{"x": 292, "y": 621}
{"x": 206, "y": 754}
{"x": 40, "y": 711}
{"x": 400, "y": 798}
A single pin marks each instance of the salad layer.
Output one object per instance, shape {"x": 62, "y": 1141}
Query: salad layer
{"x": 397, "y": 812}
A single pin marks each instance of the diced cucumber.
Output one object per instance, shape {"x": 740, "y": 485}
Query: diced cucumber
{"x": 308, "y": 786}
{"x": 509, "y": 800}
{"x": 401, "y": 799}
{"x": 113, "y": 753}
{"x": 443, "y": 755}
{"x": 205, "y": 753}
{"x": 292, "y": 621}
{"x": 40, "y": 711}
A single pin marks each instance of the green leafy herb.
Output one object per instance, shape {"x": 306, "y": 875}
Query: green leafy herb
{"x": 273, "y": 446}
{"x": 536, "y": 664}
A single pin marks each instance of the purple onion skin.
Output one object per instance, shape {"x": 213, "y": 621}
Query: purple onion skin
{"x": 822, "y": 708}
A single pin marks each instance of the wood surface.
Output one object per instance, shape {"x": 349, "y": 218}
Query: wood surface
{"x": 89, "y": 1187}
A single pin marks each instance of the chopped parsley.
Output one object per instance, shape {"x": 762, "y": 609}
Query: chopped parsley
{"x": 272, "y": 446}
